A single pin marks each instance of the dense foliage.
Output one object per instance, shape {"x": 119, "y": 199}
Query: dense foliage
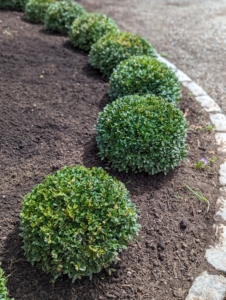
{"x": 111, "y": 49}
{"x": 87, "y": 29}
{"x": 3, "y": 289}
{"x": 142, "y": 133}
{"x": 144, "y": 75}
{"x": 60, "y": 15}
{"x": 35, "y": 10}
{"x": 76, "y": 221}
{"x": 13, "y": 4}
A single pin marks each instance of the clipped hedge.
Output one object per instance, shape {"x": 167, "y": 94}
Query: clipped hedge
{"x": 3, "y": 288}
{"x": 144, "y": 75}
{"x": 111, "y": 49}
{"x": 142, "y": 133}
{"x": 60, "y": 15}
{"x": 86, "y": 30}
{"x": 35, "y": 10}
{"x": 77, "y": 221}
{"x": 13, "y": 4}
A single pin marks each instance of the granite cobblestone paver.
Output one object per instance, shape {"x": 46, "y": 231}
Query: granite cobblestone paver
{"x": 208, "y": 287}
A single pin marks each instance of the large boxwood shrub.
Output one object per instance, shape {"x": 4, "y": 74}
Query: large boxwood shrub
{"x": 144, "y": 75}
{"x": 76, "y": 222}
{"x": 3, "y": 288}
{"x": 60, "y": 15}
{"x": 35, "y": 10}
{"x": 13, "y": 4}
{"x": 142, "y": 133}
{"x": 86, "y": 30}
{"x": 111, "y": 49}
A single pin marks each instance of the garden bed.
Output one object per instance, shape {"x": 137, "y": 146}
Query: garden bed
{"x": 50, "y": 99}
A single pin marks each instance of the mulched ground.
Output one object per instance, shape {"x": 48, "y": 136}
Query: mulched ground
{"x": 50, "y": 98}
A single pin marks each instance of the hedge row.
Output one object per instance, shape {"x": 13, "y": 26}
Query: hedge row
{"x": 78, "y": 219}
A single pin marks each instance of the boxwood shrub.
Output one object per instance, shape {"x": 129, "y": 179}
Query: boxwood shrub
{"x": 144, "y": 75}
{"x": 60, "y": 15}
{"x": 3, "y": 288}
{"x": 111, "y": 49}
{"x": 86, "y": 30}
{"x": 77, "y": 221}
{"x": 35, "y": 10}
{"x": 142, "y": 133}
{"x": 13, "y": 4}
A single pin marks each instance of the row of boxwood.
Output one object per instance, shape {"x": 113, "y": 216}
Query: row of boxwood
{"x": 78, "y": 219}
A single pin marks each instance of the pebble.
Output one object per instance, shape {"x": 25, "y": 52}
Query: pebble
{"x": 183, "y": 223}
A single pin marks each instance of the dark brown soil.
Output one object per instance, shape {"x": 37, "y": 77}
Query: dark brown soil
{"x": 50, "y": 98}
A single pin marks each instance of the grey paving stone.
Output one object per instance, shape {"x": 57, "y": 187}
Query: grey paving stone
{"x": 182, "y": 76}
{"x": 208, "y": 104}
{"x": 216, "y": 255}
{"x": 165, "y": 61}
{"x": 194, "y": 88}
{"x": 221, "y": 203}
{"x": 208, "y": 287}
{"x": 222, "y": 172}
{"x": 221, "y": 141}
{"x": 219, "y": 121}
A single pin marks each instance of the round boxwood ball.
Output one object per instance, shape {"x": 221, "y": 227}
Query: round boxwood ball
{"x": 13, "y": 4}
{"x": 144, "y": 75}
{"x": 35, "y": 10}
{"x": 77, "y": 221}
{"x": 60, "y": 15}
{"x": 111, "y": 49}
{"x": 3, "y": 289}
{"x": 142, "y": 133}
{"x": 87, "y": 29}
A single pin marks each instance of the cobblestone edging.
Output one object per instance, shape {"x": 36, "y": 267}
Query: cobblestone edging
{"x": 205, "y": 286}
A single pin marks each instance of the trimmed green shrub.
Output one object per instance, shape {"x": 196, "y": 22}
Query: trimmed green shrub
{"x": 76, "y": 221}
{"x": 142, "y": 133}
{"x": 111, "y": 49}
{"x": 60, "y": 15}
{"x": 13, "y": 4}
{"x": 144, "y": 75}
{"x": 3, "y": 288}
{"x": 35, "y": 10}
{"x": 86, "y": 30}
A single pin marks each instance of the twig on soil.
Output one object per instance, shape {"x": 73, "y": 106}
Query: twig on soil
{"x": 216, "y": 232}
{"x": 199, "y": 196}
{"x": 138, "y": 245}
{"x": 174, "y": 270}
{"x": 154, "y": 275}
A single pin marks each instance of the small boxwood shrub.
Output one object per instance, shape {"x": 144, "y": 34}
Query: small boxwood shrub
{"x": 3, "y": 288}
{"x": 60, "y": 15}
{"x": 142, "y": 133}
{"x": 35, "y": 10}
{"x": 111, "y": 49}
{"x": 86, "y": 30}
{"x": 13, "y": 4}
{"x": 144, "y": 75}
{"x": 76, "y": 221}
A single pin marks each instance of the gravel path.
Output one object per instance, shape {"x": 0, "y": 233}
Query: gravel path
{"x": 190, "y": 33}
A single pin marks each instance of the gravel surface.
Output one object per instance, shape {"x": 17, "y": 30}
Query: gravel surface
{"x": 189, "y": 33}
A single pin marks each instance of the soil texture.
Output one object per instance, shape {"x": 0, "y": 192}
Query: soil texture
{"x": 50, "y": 98}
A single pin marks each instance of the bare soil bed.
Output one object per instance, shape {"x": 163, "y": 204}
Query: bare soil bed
{"x": 50, "y": 98}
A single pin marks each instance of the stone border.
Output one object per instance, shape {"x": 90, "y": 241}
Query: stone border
{"x": 205, "y": 286}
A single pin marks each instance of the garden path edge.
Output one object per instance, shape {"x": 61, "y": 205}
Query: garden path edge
{"x": 206, "y": 286}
